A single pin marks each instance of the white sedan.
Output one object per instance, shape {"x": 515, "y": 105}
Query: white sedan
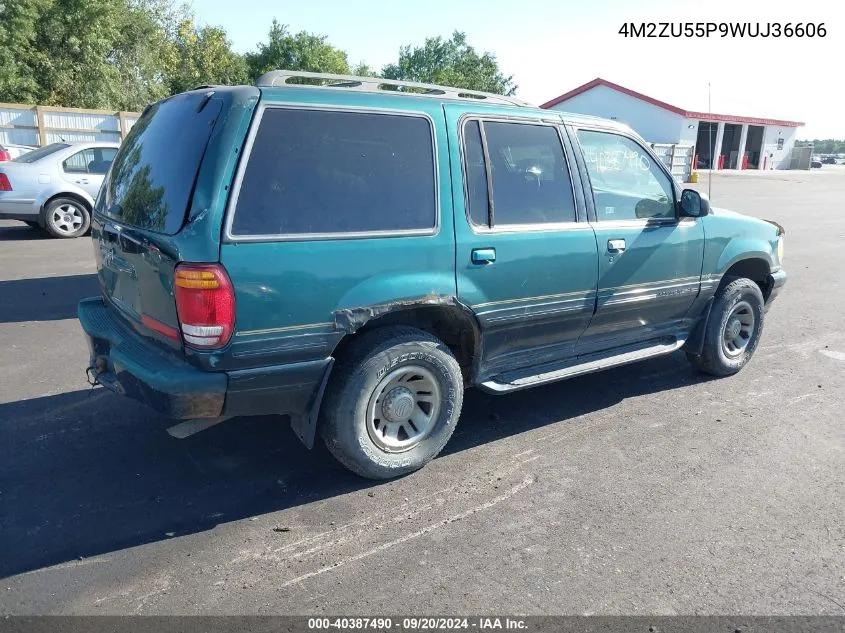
{"x": 54, "y": 187}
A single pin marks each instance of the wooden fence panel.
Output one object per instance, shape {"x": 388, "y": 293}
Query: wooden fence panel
{"x": 40, "y": 125}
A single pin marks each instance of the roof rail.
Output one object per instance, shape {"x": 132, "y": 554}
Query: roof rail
{"x": 275, "y": 78}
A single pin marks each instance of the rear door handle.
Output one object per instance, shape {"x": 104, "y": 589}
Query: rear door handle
{"x": 84, "y": 181}
{"x": 483, "y": 255}
{"x": 615, "y": 246}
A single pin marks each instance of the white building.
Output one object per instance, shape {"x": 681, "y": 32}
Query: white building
{"x": 737, "y": 142}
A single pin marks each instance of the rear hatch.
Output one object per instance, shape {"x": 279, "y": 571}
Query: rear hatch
{"x": 144, "y": 201}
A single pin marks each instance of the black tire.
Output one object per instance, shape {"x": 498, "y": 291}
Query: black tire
{"x": 364, "y": 366}
{"x": 58, "y": 209}
{"x": 715, "y": 358}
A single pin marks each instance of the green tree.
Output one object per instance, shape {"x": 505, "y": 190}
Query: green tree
{"x": 143, "y": 51}
{"x": 203, "y": 57}
{"x": 62, "y": 55}
{"x": 826, "y": 146}
{"x": 120, "y": 54}
{"x": 302, "y": 51}
{"x": 363, "y": 70}
{"x": 83, "y": 53}
{"x": 19, "y": 53}
{"x": 450, "y": 62}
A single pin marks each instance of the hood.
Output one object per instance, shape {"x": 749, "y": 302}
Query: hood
{"x": 727, "y": 213}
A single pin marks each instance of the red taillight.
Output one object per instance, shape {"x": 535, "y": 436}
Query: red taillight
{"x": 205, "y": 302}
{"x": 162, "y": 328}
{"x": 5, "y": 155}
{"x": 5, "y": 185}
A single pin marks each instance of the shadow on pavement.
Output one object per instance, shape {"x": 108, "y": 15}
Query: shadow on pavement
{"x": 44, "y": 299}
{"x": 86, "y": 473}
{"x": 20, "y": 232}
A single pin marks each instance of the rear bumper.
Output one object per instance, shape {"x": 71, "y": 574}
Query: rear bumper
{"x": 127, "y": 364}
{"x": 776, "y": 281}
{"x": 124, "y": 363}
{"x": 18, "y": 210}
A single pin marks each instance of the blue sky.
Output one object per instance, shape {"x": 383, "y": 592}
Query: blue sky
{"x": 552, "y": 47}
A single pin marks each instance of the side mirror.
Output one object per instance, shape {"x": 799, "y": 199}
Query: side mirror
{"x": 694, "y": 204}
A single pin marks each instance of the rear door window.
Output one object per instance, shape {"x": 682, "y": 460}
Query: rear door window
{"x": 94, "y": 160}
{"x": 528, "y": 171}
{"x": 78, "y": 163}
{"x": 476, "y": 185}
{"x": 318, "y": 172}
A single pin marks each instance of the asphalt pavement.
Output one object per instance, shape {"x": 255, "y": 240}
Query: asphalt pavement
{"x": 648, "y": 489}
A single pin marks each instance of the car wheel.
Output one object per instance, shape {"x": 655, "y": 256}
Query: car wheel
{"x": 392, "y": 402}
{"x": 733, "y": 330}
{"x": 66, "y": 217}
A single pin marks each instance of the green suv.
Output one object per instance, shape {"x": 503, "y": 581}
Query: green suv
{"x": 355, "y": 252}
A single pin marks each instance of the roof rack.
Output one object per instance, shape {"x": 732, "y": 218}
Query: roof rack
{"x": 276, "y": 78}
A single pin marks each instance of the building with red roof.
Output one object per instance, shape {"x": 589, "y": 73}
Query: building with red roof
{"x": 723, "y": 141}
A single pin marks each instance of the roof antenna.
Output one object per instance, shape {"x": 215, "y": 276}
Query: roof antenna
{"x": 710, "y": 139}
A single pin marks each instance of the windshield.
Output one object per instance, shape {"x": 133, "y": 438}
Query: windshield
{"x": 41, "y": 152}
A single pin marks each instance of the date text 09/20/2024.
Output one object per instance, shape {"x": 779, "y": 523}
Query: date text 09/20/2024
{"x": 416, "y": 623}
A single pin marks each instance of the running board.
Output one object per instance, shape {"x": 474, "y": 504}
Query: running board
{"x": 552, "y": 372}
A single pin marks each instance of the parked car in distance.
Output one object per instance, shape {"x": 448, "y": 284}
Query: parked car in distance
{"x": 11, "y": 151}
{"x": 829, "y": 160}
{"x": 54, "y": 187}
{"x": 815, "y": 163}
{"x": 355, "y": 257}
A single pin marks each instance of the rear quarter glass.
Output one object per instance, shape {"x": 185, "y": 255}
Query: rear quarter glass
{"x": 314, "y": 172}
{"x": 153, "y": 175}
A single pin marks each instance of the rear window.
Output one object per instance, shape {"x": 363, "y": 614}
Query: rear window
{"x": 41, "y": 152}
{"x": 329, "y": 172}
{"x": 153, "y": 174}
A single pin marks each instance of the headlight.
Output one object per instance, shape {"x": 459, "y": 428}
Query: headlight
{"x": 780, "y": 249}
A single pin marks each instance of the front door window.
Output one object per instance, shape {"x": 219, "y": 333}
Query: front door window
{"x": 627, "y": 183}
